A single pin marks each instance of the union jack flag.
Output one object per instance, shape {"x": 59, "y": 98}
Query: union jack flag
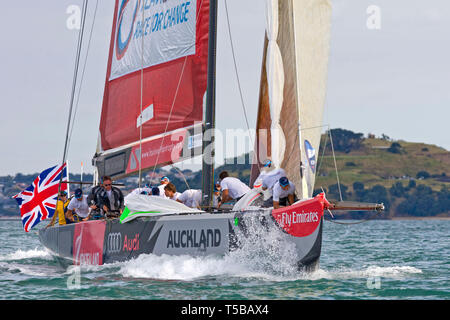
{"x": 38, "y": 201}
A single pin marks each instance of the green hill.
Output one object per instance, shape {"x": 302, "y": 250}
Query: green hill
{"x": 412, "y": 179}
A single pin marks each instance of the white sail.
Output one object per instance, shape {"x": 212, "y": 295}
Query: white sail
{"x": 312, "y": 24}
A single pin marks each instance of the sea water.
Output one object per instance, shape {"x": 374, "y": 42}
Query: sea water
{"x": 374, "y": 260}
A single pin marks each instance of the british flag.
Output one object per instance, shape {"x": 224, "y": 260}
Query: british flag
{"x": 38, "y": 201}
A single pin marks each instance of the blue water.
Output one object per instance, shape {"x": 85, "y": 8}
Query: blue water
{"x": 373, "y": 260}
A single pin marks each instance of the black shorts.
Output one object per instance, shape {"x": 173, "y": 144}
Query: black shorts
{"x": 283, "y": 202}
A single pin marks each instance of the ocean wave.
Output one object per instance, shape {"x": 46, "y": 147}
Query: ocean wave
{"x": 26, "y": 254}
{"x": 395, "y": 272}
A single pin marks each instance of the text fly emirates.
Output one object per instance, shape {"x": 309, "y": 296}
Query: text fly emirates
{"x": 290, "y": 218}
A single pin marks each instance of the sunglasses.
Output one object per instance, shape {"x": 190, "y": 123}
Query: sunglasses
{"x": 107, "y": 185}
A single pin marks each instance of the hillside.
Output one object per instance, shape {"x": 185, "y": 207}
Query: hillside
{"x": 412, "y": 179}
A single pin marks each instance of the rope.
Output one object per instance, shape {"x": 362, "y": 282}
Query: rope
{"x": 184, "y": 178}
{"x": 335, "y": 165}
{"x": 142, "y": 100}
{"x": 75, "y": 76}
{"x": 237, "y": 75}
{"x": 323, "y": 153}
{"x": 350, "y": 223}
{"x": 83, "y": 72}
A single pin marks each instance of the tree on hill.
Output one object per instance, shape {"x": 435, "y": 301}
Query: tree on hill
{"x": 397, "y": 190}
{"x": 345, "y": 140}
{"x": 420, "y": 203}
{"x": 395, "y": 148}
{"x": 423, "y": 175}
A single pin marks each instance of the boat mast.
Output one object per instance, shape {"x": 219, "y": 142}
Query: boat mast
{"x": 208, "y": 149}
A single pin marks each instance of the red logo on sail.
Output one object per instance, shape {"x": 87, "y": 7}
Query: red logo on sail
{"x": 122, "y": 46}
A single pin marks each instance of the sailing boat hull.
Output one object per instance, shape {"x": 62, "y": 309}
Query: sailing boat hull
{"x": 99, "y": 242}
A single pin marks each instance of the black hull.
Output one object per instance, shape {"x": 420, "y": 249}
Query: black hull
{"x": 99, "y": 242}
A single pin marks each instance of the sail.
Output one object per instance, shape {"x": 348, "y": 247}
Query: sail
{"x": 155, "y": 87}
{"x": 302, "y": 34}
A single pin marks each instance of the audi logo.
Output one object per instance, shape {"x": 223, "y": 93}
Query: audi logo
{"x": 114, "y": 244}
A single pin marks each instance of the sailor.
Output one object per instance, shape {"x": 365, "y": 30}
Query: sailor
{"x": 191, "y": 198}
{"x": 269, "y": 175}
{"x": 156, "y": 192}
{"x": 217, "y": 196}
{"x": 232, "y": 188}
{"x": 164, "y": 182}
{"x": 170, "y": 191}
{"x": 283, "y": 193}
{"x": 61, "y": 208}
{"x": 110, "y": 198}
{"x": 78, "y": 208}
{"x": 144, "y": 190}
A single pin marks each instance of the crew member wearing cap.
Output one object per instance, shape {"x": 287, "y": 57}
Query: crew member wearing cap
{"x": 78, "y": 208}
{"x": 164, "y": 182}
{"x": 232, "y": 188}
{"x": 61, "y": 208}
{"x": 283, "y": 193}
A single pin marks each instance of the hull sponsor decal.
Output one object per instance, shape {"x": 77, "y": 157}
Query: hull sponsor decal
{"x": 194, "y": 238}
{"x": 88, "y": 241}
{"x": 301, "y": 219}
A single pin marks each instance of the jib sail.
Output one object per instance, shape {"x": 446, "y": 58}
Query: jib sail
{"x": 293, "y": 87}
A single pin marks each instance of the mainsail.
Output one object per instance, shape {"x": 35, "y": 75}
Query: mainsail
{"x": 155, "y": 86}
{"x": 293, "y": 88}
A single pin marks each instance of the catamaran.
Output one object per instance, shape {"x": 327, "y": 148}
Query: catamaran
{"x": 159, "y": 109}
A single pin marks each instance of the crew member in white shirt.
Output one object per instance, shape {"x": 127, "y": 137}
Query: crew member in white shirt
{"x": 164, "y": 182}
{"x": 191, "y": 198}
{"x": 78, "y": 207}
{"x": 232, "y": 188}
{"x": 170, "y": 191}
{"x": 272, "y": 175}
{"x": 283, "y": 193}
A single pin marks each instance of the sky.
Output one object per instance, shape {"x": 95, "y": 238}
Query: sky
{"x": 387, "y": 76}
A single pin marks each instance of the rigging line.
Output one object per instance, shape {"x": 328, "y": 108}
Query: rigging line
{"x": 142, "y": 99}
{"x": 323, "y": 152}
{"x": 75, "y": 75}
{"x": 335, "y": 165}
{"x": 182, "y": 174}
{"x": 351, "y": 223}
{"x": 83, "y": 72}
{"x": 173, "y": 104}
{"x": 237, "y": 74}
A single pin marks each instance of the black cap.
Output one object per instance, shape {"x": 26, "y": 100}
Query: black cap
{"x": 284, "y": 181}
{"x": 78, "y": 193}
